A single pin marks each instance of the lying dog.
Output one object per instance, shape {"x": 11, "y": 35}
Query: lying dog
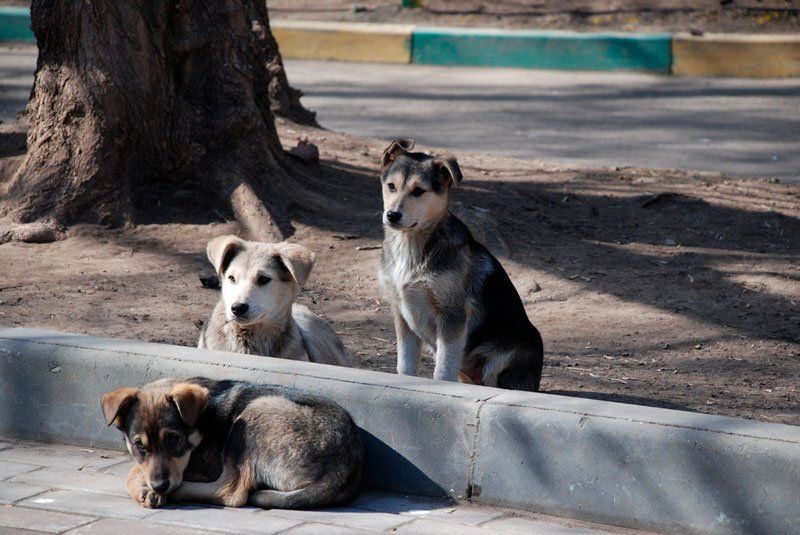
{"x": 257, "y": 314}
{"x": 234, "y": 443}
{"x": 445, "y": 288}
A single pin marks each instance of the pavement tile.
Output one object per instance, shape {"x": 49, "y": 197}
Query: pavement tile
{"x": 343, "y": 516}
{"x": 518, "y": 524}
{"x": 420, "y": 507}
{"x": 114, "y": 526}
{"x": 15, "y": 531}
{"x": 72, "y": 479}
{"x": 60, "y": 456}
{"x": 119, "y": 469}
{"x": 88, "y": 503}
{"x": 326, "y": 529}
{"x": 9, "y": 469}
{"x": 49, "y": 522}
{"x": 13, "y": 492}
{"x": 436, "y": 527}
{"x": 4, "y": 445}
{"x": 229, "y": 520}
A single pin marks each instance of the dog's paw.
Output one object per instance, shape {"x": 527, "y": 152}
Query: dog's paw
{"x": 149, "y": 499}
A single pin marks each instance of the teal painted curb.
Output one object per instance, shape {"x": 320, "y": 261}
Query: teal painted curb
{"x": 15, "y": 25}
{"x": 542, "y": 49}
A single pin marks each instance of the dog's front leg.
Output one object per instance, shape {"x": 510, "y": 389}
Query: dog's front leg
{"x": 140, "y": 492}
{"x": 408, "y": 346}
{"x": 451, "y": 339}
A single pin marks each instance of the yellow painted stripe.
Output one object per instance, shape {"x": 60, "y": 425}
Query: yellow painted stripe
{"x": 379, "y": 43}
{"x": 746, "y": 56}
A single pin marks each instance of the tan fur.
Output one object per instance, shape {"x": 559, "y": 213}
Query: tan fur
{"x": 280, "y": 328}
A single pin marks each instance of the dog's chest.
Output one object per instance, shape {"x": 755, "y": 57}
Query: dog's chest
{"x": 410, "y": 286}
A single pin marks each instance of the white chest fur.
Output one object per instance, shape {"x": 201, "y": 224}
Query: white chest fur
{"x": 403, "y": 277}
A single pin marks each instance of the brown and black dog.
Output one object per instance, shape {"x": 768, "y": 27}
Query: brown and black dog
{"x": 235, "y": 443}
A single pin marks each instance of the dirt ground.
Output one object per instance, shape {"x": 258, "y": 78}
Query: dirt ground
{"x": 748, "y": 16}
{"x": 650, "y": 287}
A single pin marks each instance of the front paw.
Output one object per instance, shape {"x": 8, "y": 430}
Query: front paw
{"x": 150, "y": 499}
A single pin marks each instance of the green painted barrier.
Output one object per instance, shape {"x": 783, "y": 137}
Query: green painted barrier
{"x": 15, "y": 24}
{"x": 542, "y": 49}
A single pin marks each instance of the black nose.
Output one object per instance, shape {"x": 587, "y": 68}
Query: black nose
{"x": 239, "y": 309}
{"x": 160, "y": 486}
{"x": 393, "y": 216}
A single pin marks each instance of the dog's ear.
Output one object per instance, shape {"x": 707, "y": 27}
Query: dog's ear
{"x": 448, "y": 170}
{"x": 221, "y": 251}
{"x": 395, "y": 148}
{"x": 116, "y": 404}
{"x": 297, "y": 259}
{"x": 190, "y": 400}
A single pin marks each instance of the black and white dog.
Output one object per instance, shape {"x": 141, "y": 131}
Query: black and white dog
{"x": 445, "y": 288}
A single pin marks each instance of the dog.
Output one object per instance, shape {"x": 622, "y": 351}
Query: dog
{"x": 257, "y": 313}
{"x": 447, "y": 290}
{"x": 235, "y": 443}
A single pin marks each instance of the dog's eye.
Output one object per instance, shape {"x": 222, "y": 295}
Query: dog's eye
{"x": 417, "y": 192}
{"x": 263, "y": 280}
{"x": 139, "y": 445}
{"x": 171, "y": 440}
{"x": 231, "y": 278}
{"x": 391, "y": 186}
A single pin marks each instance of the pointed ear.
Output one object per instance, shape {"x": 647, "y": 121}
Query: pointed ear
{"x": 395, "y": 148}
{"x": 190, "y": 400}
{"x": 116, "y": 404}
{"x": 297, "y": 259}
{"x": 221, "y": 251}
{"x": 448, "y": 169}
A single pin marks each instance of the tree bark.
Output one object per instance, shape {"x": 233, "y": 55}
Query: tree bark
{"x": 133, "y": 101}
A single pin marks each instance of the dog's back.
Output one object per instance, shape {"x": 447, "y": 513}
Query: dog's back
{"x": 319, "y": 339}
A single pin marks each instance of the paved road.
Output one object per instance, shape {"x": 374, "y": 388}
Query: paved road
{"x": 744, "y": 127}
{"x": 79, "y": 491}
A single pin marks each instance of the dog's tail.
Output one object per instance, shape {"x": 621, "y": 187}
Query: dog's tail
{"x": 319, "y": 494}
{"x": 321, "y": 343}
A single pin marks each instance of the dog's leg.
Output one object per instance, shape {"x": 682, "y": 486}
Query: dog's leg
{"x": 231, "y": 489}
{"x": 140, "y": 492}
{"x": 450, "y": 342}
{"x": 408, "y": 346}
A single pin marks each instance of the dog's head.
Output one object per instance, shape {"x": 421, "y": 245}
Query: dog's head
{"x": 158, "y": 422}
{"x": 259, "y": 280}
{"x": 416, "y": 186}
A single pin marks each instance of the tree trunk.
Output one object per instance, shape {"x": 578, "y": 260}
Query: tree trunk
{"x": 134, "y": 102}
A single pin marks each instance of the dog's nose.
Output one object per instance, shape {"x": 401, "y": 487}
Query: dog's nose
{"x": 393, "y": 216}
{"x": 161, "y": 486}
{"x": 239, "y": 309}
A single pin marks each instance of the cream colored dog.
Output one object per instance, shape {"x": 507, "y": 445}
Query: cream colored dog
{"x": 257, "y": 313}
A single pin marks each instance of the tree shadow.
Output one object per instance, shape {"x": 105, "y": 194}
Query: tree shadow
{"x": 591, "y": 229}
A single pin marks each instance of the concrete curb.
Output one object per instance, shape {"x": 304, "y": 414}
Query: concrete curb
{"x": 376, "y": 43}
{"x": 542, "y": 49}
{"x": 749, "y": 56}
{"x": 15, "y": 25}
{"x": 743, "y": 56}
{"x": 620, "y": 464}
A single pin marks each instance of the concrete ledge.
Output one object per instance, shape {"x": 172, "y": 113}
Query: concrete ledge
{"x": 621, "y": 464}
{"x": 378, "y": 43}
{"x": 542, "y": 49}
{"x": 746, "y": 56}
{"x": 15, "y": 25}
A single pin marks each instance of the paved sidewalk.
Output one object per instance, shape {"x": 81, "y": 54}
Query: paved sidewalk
{"x": 46, "y": 488}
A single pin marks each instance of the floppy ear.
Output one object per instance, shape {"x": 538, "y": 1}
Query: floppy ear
{"x": 116, "y": 404}
{"x": 222, "y": 249}
{"x": 448, "y": 169}
{"x": 190, "y": 400}
{"x": 297, "y": 259}
{"x": 395, "y": 148}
